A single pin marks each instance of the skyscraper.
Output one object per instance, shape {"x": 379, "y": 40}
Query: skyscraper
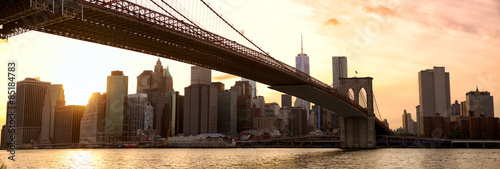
{"x": 67, "y": 124}
{"x": 33, "y": 110}
{"x": 302, "y": 64}
{"x": 116, "y": 98}
{"x": 55, "y": 99}
{"x": 136, "y": 106}
{"x": 479, "y": 104}
{"x": 227, "y": 112}
{"x": 200, "y": 103}
{"x": 92, "y": 122}
{"x": 246, "y": 87}
{"x": 406, "y": 121}
{"x": 286, "y": 101}
{"x": 434, "y": 93}
{"x": 254, "y": 86}
{"x": 339, "y": 66}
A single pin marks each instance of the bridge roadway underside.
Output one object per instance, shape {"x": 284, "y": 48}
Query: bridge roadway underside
{"x": 330, "y": 102}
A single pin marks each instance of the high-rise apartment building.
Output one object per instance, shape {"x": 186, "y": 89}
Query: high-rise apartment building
{"x": 116, "y": 98}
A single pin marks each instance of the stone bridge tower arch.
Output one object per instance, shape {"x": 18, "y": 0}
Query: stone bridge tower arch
{"x": 356, "y": 84}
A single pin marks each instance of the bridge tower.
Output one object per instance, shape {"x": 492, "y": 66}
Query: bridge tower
{"x": 357, "y": 131}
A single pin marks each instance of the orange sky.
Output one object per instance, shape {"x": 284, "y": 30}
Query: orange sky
{"x": 390, "y": 41}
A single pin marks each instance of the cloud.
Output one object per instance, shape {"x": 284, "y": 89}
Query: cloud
{"x": 225, "y": 77}
{"x": 381, "y": 10}
{"x": 331, "y": 21}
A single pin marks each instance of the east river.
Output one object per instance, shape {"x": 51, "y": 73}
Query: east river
{"x": 254, "y": 158}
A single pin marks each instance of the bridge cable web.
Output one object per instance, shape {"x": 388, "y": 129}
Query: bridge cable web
{"x": 376, "y": 106}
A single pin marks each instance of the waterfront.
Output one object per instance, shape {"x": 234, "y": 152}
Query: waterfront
{"x": 254, "y": 158}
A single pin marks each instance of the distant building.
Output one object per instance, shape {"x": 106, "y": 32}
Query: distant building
{"x": 156, "y": 84}
{"x": 227, "y": 112}
{"x": 259, "y": 104}
{"x": 173, "y": 114}
{"x": 5, "y": 135}
{"x": 254, "y": 86}
{"x": 200, "y": 103}
{"x": 386, "y": 123}
{"x": 456, "y": 109}
{"x": 479, "y": 104}
{"x": 33, "y": 101}
{"x": 244, "y": 113}
{"x": 245, "y": 86}
{"x": 285, "y": 115}
{"x": 286, "y": 101}
{"x": 159, "y": 79}
{"x": 302, "y": 64}
{"x": 136, "y": 106}
{"x": 67, "y": 124}
{"x": 434, "y": 94}
{"x": 266, "y": 124}
{"x": 408, "y": 123}
{"x": 271, "y": 109}
{"x": 298, "y": 121}
{"x": 339, "y": 66}
{"x": 318, "y": 112}
{"x": 116, "y": 95}
{"x": 92, "y": 122}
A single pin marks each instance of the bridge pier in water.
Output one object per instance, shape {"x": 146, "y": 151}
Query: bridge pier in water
{"x": 357, "y": 132}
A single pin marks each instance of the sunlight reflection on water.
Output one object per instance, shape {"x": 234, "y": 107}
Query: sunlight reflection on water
{"x": 255, "y": 158}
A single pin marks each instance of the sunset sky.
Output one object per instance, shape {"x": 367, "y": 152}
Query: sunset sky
{"x": 390, "y": 41}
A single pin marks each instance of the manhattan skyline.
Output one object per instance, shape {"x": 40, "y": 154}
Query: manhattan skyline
{"x": 389, "y": 42}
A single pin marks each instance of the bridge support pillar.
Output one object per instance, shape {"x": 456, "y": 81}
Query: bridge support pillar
{"x": 357, "y": 132}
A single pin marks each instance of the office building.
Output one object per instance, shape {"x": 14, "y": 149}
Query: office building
{"x": 200, "y": 103}
{"x": 319, "y": 120}
{"x": 298, "y": 121}
{"x": 92, "y": 122}
{"x": 254, "y": 86}
{"x": 259, "y": 104}
{"x": 286, "y": 101}
{"x": 456, "y": 109}
{"x": 159, "y": 79}
{"x": 67, "y": 124}
{"x": 434, "y": 94}
{"x": 116, "y": 98}
{"x": 339, "y": 66}
{"x": 173, "y": 114}
{"x": 266, "y": 124}
{"x": 302, "y": 64}
{"x": 245, "y": 86}
{"x": 271, "y": 109}
{"x": 227, "y": 112}
{"x": 244, "y": 113}
{"x": 33, "y": 101}
{"x": 136, "y": 106}
{"x": 479, "y": 104}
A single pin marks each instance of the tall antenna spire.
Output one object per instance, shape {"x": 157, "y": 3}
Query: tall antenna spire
{"x": 301, "y": 45}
